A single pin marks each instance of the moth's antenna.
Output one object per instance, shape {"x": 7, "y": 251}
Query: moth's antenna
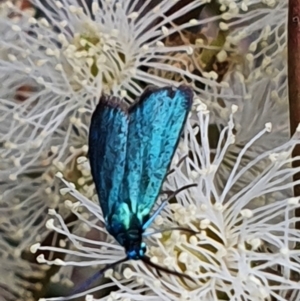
{"x": 177, "y": 165}
{"x": 171, "y": 194}
{"x": 98, "y": 274}
{"x": 147, "y": 261}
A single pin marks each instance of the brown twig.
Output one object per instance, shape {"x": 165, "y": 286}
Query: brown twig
{"x": 294, "y": 79}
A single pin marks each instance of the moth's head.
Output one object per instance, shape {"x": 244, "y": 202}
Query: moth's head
{"x": 135, "y": 250}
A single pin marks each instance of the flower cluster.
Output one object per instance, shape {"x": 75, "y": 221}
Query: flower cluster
{"x": 241, "y": 250}
{"x": 58, "y": 57}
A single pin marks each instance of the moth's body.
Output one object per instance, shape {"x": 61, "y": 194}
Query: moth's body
{"x": 127, "y": 229}
{"x": 130, "y": 151}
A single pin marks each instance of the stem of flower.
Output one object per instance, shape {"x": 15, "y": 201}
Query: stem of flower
{"x": 294, "y": 79}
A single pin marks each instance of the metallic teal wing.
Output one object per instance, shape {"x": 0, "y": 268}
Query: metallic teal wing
{"x": 155, "y": 124}
{"x": 130, "y": 153}
{"x": 107, "y": 151}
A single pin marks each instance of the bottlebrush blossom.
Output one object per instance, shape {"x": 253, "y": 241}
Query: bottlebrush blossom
{"x": 261, "y": 28}
{"x": 57, "y": 65}
{"x": 239, "y": 252}
{"x": 252, "y": 97}
{"x": 53, "y": 70}
{"x": 259, "y": 35}
{"x": 24, "y": 205}
{"x": 18, "y": 277}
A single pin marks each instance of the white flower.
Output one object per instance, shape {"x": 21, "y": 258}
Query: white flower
{"x": 260, "y": 36}
{"x": 52, "y": 72}
{"x": 256, "y": 104}
{"x": 22, "y": 216}
{"x": 259, "y": 84}
{"x": 240, "y": 252}
{"x": 66, "y": 61}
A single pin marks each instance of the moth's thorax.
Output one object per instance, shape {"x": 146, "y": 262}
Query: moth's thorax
{"x": 130, "y": 237}
{"x": 135, "y": 248}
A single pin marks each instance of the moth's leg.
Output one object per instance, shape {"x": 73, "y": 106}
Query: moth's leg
{"x": 155, "y": 214}
{"x": 163, "y": 204}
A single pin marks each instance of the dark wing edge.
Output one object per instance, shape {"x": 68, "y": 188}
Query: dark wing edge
{"x": 171, "y": 91}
